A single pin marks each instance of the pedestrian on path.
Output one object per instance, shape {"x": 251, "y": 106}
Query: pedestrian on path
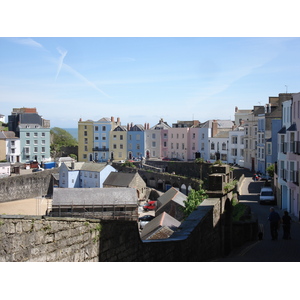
{"x": 274, "y": 219}
{"x": 286, "y": 225}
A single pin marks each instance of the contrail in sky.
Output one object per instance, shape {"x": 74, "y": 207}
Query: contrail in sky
{"x": 61, "y": 60}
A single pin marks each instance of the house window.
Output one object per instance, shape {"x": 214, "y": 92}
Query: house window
{"x": 224, "y": 146}
{"x": 35, "y": 142}
{"x": 103, "y": 128}
{"x": 43, "y": 149}
{"x": 27, "y": 134}
{"x": 43, "y": 134}
{"x": 96, "y": 128}
{"x": 27, "y": 142}
{"x": 212, "y": 146}
{"x": 121, "y": 137}
{"x": 114, "y": 146}
{"x": 153, "y": 135}
{"x": 35, "y": 149}
{"x": 43, "y": 142}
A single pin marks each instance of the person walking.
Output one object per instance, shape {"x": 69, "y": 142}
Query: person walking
{"x": 286, "y": 225}
{"x": 274, "y": 219}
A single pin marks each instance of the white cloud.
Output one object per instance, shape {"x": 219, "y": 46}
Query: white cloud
{"x": 28, "y": 42}
{"x": 63, "y": 53}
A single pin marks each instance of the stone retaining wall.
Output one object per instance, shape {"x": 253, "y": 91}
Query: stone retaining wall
{"x": 26, "y": 186}
{"x": 36, "y": 239}
{"x": 200, "y": 238}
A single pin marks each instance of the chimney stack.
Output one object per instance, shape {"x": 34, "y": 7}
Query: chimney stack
{"x": 214, "y": 128}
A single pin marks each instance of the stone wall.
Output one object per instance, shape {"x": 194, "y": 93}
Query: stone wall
{"x": 201, "y": 237}
{"x": 37, "y": 239}
{"x": 26, "y": 186}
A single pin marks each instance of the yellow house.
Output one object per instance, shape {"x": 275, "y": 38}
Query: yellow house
{"x": 118, "y": 143}
{"x": 85, "y": 140}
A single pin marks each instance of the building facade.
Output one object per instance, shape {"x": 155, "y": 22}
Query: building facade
{"x": 34, "y": 134}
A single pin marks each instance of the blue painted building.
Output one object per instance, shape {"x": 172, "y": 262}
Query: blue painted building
{"x": 34, "y": 134}
{"x": 135, "y": 141}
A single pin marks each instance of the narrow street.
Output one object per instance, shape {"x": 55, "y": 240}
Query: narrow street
{"x": 265, "y": 250}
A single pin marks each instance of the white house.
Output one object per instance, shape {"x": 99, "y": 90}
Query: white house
{"x": 10, "y": 146}
{"x": 4, "y": 169}
{"x": 84, "y": 175}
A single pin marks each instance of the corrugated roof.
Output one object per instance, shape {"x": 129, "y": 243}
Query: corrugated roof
{"x": 94, "y": 196}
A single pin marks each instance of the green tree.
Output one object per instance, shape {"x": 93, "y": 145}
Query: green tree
{"x": 61, "y": 138}
{"x": 194, "y": 199}
{"x": 271, "y": 170}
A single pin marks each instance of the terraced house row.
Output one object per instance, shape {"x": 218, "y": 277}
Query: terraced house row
{"x": 106, "y": 139}
{"x": 258, "y": 138}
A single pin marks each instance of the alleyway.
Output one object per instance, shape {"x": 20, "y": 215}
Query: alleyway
{"x": 266, "y": 250}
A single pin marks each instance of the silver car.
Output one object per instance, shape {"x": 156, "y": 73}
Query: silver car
{"x": 266, "y": 195}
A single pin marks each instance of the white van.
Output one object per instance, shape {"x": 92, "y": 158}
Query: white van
{"x": 266, "y": 195}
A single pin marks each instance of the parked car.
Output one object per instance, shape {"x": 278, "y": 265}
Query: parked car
{"x": 266, "y": 195}
{"x": 150, "y": 205}
{"x": 145, "y": 220}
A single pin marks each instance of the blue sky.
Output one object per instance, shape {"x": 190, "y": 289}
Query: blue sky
{"x": 143, "y": 79}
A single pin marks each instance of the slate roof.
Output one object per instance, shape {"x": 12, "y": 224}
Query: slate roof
{"x": 172, "y": 194}
{"x": 119, "y": 179}
{"x": 221, "y": 124}
{"x": 7, "y": 135}
{"x": 86, "y": 166}
{"x": 94, "y": 196}
{"x": 93, "y": 167}
{"x": 30, "y": 118}
{"x": 163, "y": 220}
{"x": 161, "y": 233}
{"x": 282, "y": 130}
{"x": 293, "y": 127}
{"x": 104, "y": 120}
{"x": 160, "y": 125}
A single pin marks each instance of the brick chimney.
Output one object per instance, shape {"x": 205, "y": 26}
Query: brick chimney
{"x": 214, "y": 130}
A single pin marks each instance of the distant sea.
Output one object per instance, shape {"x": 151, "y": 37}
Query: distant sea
{"x": 73, "y": 132}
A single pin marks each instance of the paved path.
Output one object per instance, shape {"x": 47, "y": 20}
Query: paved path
{"x": 265, "y": 250}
